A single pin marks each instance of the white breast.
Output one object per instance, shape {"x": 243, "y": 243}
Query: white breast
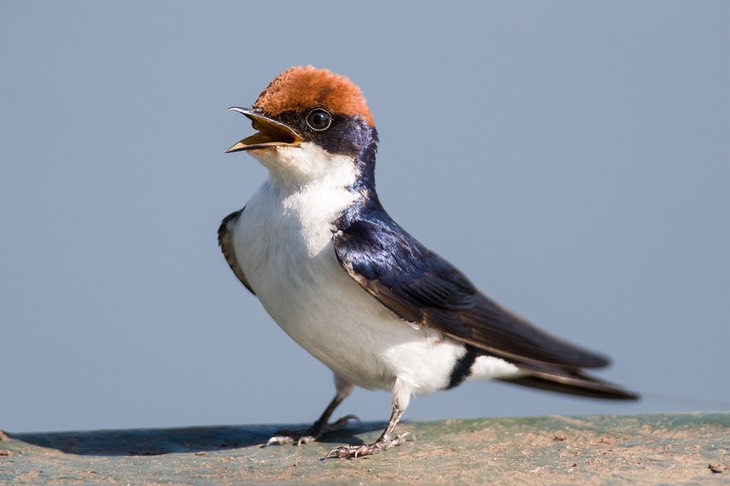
{"x": 283, "y": 242}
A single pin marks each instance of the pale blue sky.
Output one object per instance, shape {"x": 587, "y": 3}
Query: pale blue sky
{"x": 572, "y": 158}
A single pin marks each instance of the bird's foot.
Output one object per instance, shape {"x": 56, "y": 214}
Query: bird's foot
{"x": 311, "y": 434}
{"x": 367, "y": 449}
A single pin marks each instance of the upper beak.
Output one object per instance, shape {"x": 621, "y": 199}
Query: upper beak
{"x": 270, "y": 133}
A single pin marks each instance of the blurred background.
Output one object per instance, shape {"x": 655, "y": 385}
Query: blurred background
{"x": 572, "y": 158}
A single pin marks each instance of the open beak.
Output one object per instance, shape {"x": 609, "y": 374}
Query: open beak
{"x": 270, "y": 133}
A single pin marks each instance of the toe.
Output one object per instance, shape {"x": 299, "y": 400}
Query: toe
{"x": 280, "y": 440}
{"x": 306, "y": 439}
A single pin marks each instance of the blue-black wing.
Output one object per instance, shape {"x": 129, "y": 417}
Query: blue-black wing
{"x": 423, "y": 288}
{"x": 226, "y": 243}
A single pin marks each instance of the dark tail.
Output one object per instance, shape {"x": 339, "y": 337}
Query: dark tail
{"x": 571, "y": 382}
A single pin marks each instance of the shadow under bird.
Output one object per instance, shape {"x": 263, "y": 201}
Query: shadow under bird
{"x": 351, "y": 286}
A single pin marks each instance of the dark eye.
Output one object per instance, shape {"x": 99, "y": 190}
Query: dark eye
{"x": 319, "y": 119}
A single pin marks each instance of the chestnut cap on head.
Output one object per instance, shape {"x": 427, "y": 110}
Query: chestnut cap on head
{"x": 316, "y": 93}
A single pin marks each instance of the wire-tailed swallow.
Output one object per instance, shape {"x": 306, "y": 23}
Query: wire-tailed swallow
{"x": 351, "y": 286}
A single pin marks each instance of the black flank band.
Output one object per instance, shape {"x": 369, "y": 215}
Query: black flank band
{"x": 462, "y": 366}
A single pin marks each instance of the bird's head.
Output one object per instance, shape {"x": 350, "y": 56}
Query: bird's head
{"x": 312, "y": 124}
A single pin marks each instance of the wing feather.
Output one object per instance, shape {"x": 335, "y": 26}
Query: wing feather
{"x": 225, "y": 240}
{"x": 423, "y": 288}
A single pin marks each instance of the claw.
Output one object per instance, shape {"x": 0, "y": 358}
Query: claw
{"x": 311, "y": 434}
{"x": 306, "y": 439}
{"x": 355, "y": 451}
{"x": 279, "y": 439}
{"x": 343, "y": 421}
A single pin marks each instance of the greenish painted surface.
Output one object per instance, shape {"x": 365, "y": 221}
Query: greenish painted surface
{"x": 653, "y": 448}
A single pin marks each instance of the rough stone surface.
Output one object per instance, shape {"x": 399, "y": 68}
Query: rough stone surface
{"x": 647, "y": 449}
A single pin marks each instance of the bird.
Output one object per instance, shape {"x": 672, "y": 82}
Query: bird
{"x": 352, "y": 287}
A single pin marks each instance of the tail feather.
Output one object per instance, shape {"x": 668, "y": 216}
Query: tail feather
{"x": 570, "y": 382}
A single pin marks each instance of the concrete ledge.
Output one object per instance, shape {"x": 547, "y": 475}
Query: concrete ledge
{"x": 651, "y": 448}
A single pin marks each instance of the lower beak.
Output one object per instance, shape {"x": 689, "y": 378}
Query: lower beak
{"x": 271, "y": 133}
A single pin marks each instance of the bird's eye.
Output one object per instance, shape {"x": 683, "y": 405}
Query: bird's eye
{"x": 319, "y": 119}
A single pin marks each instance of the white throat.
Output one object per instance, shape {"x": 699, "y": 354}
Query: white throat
{"x": 296, "y": 167}
{"x": 292, "y": 216}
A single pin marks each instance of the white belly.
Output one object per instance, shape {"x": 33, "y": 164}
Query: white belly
{"x": 283, "y": 242}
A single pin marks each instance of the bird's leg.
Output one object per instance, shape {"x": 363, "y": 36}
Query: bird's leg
{"x": 386, "y": 439}
{"x": 321, "y": 426}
